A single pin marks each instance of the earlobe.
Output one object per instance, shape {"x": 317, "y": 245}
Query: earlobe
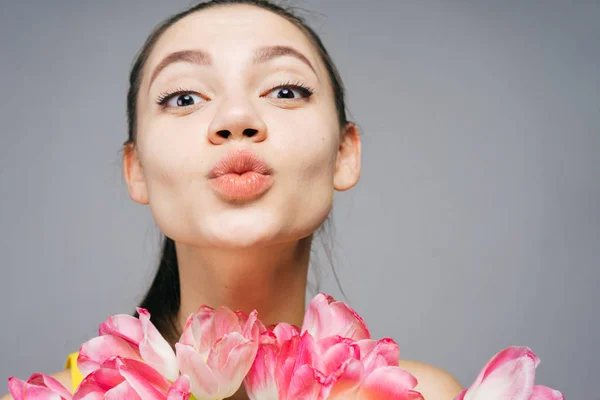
{"x": 347, "y": 168}
{"x": 134, "y": 175}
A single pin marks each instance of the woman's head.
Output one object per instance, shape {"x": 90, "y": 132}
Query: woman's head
{"x": 234, "y": 103}
{"x": 242, "y": 75}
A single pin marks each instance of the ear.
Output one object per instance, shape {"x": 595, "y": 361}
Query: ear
{"x": 134, "y": 175}
{"x": 347, "y": 166}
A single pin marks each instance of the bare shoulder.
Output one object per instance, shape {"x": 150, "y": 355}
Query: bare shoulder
{"x": 433, "y": 383}
{"x": 64, "y": 377}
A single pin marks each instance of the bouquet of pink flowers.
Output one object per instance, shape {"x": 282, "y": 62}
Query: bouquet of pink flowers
{"x": 332, "y": 356}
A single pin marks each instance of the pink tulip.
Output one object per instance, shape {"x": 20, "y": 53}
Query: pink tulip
{"x": 38, "y": 387}
{"x": 327, "y": 317}
{"x": 295, "y": 372}
{"x": 375, "y": 375}
{"x": 284, "y": 332}
{"x": 217, "y": 349}
{"x": 334, "y": 368}
{"x": 260, "y": 382}
{"x": 339, "y": 362}
{"x": 121, "y": 378}
{"x": 510, "y": 374}
{"x": 129, "y": 337}
{"x": 95, "y": 352}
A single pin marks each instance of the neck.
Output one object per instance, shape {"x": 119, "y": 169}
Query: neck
{"x": 270, "y": 279}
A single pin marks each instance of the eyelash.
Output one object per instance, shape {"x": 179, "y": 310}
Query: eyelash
{"x": 164, "y": 97}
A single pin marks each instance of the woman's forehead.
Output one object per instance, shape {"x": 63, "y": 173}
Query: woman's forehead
{"x": 225, "y": 31}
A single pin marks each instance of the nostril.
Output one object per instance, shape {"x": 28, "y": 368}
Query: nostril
{"x": 224, "y": 134}
{"x": 250, "y": 132}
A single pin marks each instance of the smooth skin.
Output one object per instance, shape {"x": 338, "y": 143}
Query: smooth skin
{"x": 251, "y": 255}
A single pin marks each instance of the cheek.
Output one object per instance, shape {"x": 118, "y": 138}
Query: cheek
{"x": 172, "y": 151}
{"x": 307, "y": 157}
{"x": 309, "y": 149}
{"x": 173, "y": 168}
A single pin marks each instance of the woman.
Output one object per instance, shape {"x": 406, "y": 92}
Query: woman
{"x": 238, "y": 138}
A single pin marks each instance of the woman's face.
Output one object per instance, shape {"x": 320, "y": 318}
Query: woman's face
{"x": 238, "y": 83}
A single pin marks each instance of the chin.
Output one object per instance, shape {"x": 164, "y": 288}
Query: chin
{"x": 258, "y": 226}
{"x": 238, "y": 229}
{"x": 250, "y": 231}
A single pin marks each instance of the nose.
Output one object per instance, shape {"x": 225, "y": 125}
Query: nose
{"x": 236, "y": 119}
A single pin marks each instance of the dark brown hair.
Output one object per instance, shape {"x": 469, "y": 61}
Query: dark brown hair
{"x": 163, "y": 297}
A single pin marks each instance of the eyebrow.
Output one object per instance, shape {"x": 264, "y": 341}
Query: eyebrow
{"x": 199, "y": 57}
{"x": 267, "y": 53}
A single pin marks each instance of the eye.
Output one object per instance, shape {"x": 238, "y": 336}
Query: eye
{"x": 179, "y": 99}
{"x": 290, "y": 92}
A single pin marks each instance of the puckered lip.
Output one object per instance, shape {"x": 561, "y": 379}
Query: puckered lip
{"x": 239, "y": 161}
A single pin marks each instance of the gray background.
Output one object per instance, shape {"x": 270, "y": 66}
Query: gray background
{"x": 475, "y": 225}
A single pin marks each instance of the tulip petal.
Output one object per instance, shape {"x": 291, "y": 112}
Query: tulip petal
{"x": 335, "y": 359}
{"x": 545, "y": 393}
{"x": 96, "y": 384}
{"x": 51, "y": 383}
{"x": 513, "y": 379}
{"x": 217, "y": 357}
{"x": 391, "y": 383}
{"x": 303, "y": 385}
{"x": 293, "y": 355}
{"x": 202, "y": 380}
{"x": 16, "y": 388}
{"x": 180, "y": 390}
{"x": 203, "y": 329}
{"x": 284, "y": 332}
{"x": 187, "y": 337}
{"x": 33, "y": 392}
{"x": 347, "y": 384}
{"x": 249, "y": 324}
{"x": 155, "y": 350}
{"x": 197, "y": 331}
{"x": 224, "y": 321}
{"x": 366, "y": 345}
{"x": 326, "y": 317}
{"x": 96, "y": 351}
{"x": 286, "y": 361}
{"x": 124, "y": 326}
{"x": 269, "y": 337}
{"x": 21, "y": 390}
{"x": 234, "y": 355}
{"x": 260, "y": 383}
{"x": 148, "y": 383}
{"x": 504, "y": 356}
{"x": 121, "y": 392}
{"x": 385, "y": 352}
